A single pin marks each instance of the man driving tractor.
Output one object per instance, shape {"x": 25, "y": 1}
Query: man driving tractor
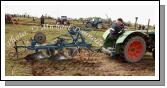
{"x": 117, "y": 27}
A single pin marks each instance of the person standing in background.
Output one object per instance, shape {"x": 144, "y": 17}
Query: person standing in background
{"x": 42, "y": 20}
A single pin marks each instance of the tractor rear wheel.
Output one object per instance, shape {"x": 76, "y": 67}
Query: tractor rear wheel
{"x": 134, "y": 49}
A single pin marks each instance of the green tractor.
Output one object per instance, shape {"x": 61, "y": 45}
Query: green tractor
{"x": 63, "y": 21}
{"x": 131, "y": 45}
{"x": 95, "y": 22}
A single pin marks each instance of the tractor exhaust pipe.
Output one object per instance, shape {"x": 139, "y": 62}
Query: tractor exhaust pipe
{"x": 148, "y": 25}
{"x": 136, "y": 18}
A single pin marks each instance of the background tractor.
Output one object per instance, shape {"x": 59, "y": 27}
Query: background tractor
{"x": 131, "y": 45}
{"x": 95, "y": 22}
{"x": 62, "y": 21}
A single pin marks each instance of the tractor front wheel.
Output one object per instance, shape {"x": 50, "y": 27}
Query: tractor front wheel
{"x": 134, "y": 49}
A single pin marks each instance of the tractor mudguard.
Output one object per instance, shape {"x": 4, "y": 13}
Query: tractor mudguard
{"x": 107, "y": 39}
{"x": 106, "y": 34}
{"x": 122, "y": 37}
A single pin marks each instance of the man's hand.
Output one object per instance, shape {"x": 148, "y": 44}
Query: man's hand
{"x": 126, "y": 27}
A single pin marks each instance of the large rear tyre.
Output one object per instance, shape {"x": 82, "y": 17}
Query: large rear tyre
{"x": 134, "y": 49}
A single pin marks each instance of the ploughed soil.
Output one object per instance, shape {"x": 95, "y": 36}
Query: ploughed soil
{"x": 98, "y": 64}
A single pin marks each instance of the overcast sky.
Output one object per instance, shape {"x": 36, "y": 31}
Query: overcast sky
{"x": 127, "y": 12}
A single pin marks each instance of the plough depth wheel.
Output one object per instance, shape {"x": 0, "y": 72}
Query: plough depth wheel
{"x": 40, "y": 37}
